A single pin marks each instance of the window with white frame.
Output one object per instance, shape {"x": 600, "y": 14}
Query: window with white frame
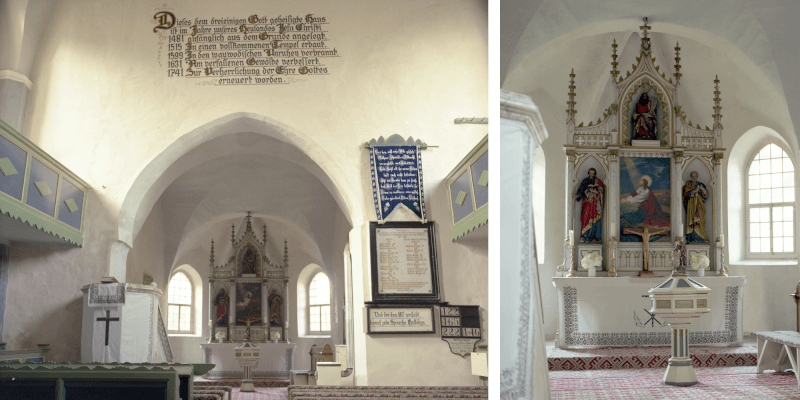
{"x": 319, "y": 304}
{"x": 179, "y": 301}
{"x": 770, "y": 204}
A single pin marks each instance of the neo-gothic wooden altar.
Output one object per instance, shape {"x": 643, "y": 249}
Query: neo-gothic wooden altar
{"x": 631, "y": 174}
{"x": 249, "y": 289}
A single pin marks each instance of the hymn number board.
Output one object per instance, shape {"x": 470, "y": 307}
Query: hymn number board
{"x": 461, "y": 327}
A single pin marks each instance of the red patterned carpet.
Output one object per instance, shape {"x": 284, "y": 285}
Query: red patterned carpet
{"x": 647, "y": 357}
{"x": 261, "y": 394}
{"x": 646, "y": 384}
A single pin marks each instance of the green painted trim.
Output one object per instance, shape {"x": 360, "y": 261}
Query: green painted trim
{"x": 469, "y": 159}
{"x": 480, "y": 216}
{"x": 60, "y": 394}
{"x": 27, "y": 179}
{"x": 20, "y": 210}
{"x": 39, "y": 220}
{"x": 471, "y": 222}
{"x": 12, "y": 135}
{"x": 120, "y": 373}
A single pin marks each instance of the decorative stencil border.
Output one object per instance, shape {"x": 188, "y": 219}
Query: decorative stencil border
{"x": 574, "y": 338}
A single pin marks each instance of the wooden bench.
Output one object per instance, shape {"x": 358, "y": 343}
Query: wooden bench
{"x": 775, "y": 348}
{"x": 386, "y": 392}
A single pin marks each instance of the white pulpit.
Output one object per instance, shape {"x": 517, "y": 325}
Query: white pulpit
{"x": 276, "y": 359}
{"x": 601, "y": 312}
{"x": 122, "y": 323}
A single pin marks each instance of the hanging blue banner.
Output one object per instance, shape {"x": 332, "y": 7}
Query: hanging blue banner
{"x": 397, "y": 179}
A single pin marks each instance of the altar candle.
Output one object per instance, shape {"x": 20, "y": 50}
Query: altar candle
{"x": 613, "y": 228}
{"x": 571, "y": 238}
{"x": 722, "y": 240}
{"x": 680, "y": 229}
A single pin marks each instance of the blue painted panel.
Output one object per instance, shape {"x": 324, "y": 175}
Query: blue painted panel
{"x": 39, "y": 172}
{"x": 481, "y": 192}
{"x": 461, "y": 184}
{"x": 68, "y": 191}
{"x": 12, "y": 185}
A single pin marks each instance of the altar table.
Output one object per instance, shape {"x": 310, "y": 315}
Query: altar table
{"x": 276, "y": 360}
{"x": 600, "y": 312}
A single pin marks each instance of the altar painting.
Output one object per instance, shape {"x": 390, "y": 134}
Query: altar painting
{"x": 644, "y": 199}
{"x": 248, "y": 303}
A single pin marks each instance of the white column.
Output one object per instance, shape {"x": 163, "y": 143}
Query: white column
{"x": 719, "y": 189}
{"x": 569, "y": 223}
{"x": 523, "y": 360}
{"x": 612, "y": 203}
{"x": 677, "y": 194}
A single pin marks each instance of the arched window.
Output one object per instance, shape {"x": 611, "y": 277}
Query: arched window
{"x": 179, "y": 300}
{"x": 770, "y": 204}
{"x": 319, "y": 304}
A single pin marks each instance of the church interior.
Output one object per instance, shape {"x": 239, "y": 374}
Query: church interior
{"x": 675, "y": 160}
{"x": 192, "y": 182}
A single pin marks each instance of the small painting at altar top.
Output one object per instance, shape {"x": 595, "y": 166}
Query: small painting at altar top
{"x": 644, "y": 115}
{"x": 644, "y": 199}
{"x": 249, "y": 263}
{"x": 248, "y": 303}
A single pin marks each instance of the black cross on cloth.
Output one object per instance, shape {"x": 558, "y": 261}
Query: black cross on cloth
{"x": 107, "y": 319}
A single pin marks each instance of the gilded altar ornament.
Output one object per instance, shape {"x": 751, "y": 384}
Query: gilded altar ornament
{"x": 612, "y": 267}
{"x": 695, "y": 194}
{"x": 572, "y": 272}
{"x": 679, "y": 258}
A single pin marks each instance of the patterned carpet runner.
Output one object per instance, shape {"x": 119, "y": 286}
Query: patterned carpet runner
{"x": 736, "y": 383}
{"x": 259, "y": 383}
{"x": 647, "y": 357}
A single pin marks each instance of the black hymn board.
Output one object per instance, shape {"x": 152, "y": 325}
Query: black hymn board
{"x": 461, "y": 327}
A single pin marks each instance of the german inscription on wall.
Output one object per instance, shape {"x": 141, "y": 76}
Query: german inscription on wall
{"x": 400, "y": 320}
{"x": 404, "y": 265}
{"x": 254, "y": 50}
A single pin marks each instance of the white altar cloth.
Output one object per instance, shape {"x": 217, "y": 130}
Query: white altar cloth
{"x": 276, "y": 360}
{"x": 600, "y": 312}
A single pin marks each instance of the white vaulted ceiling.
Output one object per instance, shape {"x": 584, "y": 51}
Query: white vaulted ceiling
{"x": 255, "y": 173}
{"x": 750, "y": 44}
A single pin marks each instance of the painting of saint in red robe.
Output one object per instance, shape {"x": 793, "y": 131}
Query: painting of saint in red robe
{"x": 644, "y": 119}
{"x": 590, "y": 194}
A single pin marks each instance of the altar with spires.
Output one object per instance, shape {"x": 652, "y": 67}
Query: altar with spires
{"x": 249, "y": 302}
{"x": 642, "y": 182}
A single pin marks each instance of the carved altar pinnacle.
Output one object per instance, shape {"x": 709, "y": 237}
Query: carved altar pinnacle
{"x": 285, "y": 253}
{"x": 233, "y": 234}
{"x": 677, "y": 73}
{"x": 211, "y": 259}
{"x": 645, "y": 39}
{"x": 717, "y": 108}
{"x": 614, "y": 62}
{"x": 249, "y": 225}
{"x": 571, "y": 101}
{"x": 265, "y": 233}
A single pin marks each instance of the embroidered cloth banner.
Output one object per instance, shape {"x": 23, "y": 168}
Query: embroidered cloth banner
{"x": 106, "y": 294}
{"x": 397, "y": 179}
